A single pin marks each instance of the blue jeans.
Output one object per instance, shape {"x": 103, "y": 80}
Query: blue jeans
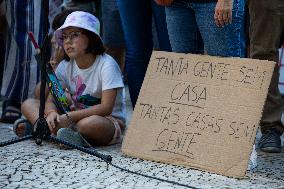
{"x": 192, "y": 29}
{"x": 136, "y": 18}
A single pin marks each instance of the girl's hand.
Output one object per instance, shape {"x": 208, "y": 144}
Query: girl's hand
{"x": 68, "y": 96}
{"x": 64, "y": 121}
{"x": 223, "y": 12}
{"x": 164, "y": 2}
{"x": 52, "y": 119}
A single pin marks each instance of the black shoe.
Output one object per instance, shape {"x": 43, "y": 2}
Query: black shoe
{"x": 270, "y": 141}
{"x": 11, "y": 111}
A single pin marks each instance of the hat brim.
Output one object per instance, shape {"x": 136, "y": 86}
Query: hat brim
{"x": 58, "y": 33}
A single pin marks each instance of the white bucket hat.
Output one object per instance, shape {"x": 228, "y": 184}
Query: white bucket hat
{"x": 79, "y": 19}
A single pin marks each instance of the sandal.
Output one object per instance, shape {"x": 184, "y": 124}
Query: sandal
{"x": 26, "y": 131}
{"x": 10, "y": 112}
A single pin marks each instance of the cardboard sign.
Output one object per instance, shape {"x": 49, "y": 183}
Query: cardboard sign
{"x": 199, "y": 111}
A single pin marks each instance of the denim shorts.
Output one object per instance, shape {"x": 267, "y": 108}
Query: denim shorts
{"x": 192, "y": 29}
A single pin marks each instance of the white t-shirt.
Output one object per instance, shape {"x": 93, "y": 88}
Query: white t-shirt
{"x": 89, "y": 83}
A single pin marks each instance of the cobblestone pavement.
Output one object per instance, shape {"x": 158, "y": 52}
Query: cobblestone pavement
{"x": 27, "y": 165}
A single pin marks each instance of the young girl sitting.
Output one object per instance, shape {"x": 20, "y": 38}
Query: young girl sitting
{"x": 89, "y": 74}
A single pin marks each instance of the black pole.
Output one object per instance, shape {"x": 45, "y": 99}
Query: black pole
{"x": 44, "y": 59}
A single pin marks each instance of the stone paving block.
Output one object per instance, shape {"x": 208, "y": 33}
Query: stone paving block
{"x": 27, "y": 165}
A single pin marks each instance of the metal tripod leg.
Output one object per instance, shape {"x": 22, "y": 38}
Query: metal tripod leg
{"x": 91, "y": 151}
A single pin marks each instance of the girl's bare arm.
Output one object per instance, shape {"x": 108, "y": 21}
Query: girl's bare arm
{"x": 103, "y": 109}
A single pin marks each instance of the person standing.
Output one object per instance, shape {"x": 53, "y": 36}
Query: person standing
{"x": 21, "y": 71}
{"x": 2, "y": 41}
{"x": 266, "y": 32}
{"x": 112, "y": 33}
{"x": 215, "y": 27}
{"x": 136, "y": 18}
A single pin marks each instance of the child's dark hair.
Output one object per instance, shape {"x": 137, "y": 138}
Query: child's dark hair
{"x": 95, "y": 44}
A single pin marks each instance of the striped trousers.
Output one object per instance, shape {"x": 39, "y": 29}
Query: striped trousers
{"x": 21, "y": 71}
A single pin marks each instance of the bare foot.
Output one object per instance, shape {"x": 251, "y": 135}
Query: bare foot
{"x": 20, "y": 130}
{"x": 22, "y": 127}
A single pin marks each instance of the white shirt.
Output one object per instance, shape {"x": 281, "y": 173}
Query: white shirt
{"x": 102, "y": 75}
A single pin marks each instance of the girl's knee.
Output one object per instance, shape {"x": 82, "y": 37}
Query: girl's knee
{"x": 30, "y": 102}
{"x": 97, "y": 128}
{"x": 85, "y": 123}
{"x": 81, "y": 127}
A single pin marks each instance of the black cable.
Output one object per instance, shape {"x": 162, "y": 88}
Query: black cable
{"x": 108, "y": 159}
{"x": 105, "y": 158}
{"x": 152, "y": 177}
{"x": 15, "y": 140}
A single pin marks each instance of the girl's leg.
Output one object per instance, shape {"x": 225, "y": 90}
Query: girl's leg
{"x": 182, "y": 27}
{"x": 136, "y": 18}
{"x": 97, "y": 129}
{"x": 30, "y": 109}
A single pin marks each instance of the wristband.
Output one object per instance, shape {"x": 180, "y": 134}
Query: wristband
{"x": 69, "y": 119}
